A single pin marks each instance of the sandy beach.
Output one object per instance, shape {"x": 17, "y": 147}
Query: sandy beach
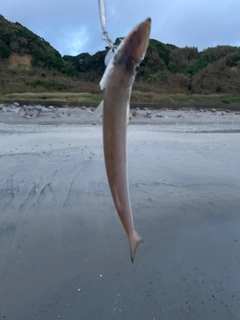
{"x": 64, "y": 253}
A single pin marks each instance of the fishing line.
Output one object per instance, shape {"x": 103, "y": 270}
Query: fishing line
{"x": 102, "y": 15}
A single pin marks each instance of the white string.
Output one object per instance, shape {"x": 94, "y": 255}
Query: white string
{"x": 102, "y": 15}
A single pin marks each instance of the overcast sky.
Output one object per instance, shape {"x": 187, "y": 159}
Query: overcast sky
{"x": 73, "y": 26}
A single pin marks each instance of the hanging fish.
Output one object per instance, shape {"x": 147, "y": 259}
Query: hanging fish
{"x": 117, "y": 83}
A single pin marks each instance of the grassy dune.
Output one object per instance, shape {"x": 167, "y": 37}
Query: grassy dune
{"x": 137, "y": 97}
{"x": 53, "y": 96}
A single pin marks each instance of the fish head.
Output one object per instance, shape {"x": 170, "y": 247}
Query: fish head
{"x": 133, "y": 48}
{"x": 127, "y": 57}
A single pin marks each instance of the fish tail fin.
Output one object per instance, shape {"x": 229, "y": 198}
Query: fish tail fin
{"x": 134, "y": 240}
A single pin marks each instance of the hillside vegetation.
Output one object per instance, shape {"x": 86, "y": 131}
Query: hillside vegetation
{"x": 169, "y": 69}
{"x": 29, "y": 64}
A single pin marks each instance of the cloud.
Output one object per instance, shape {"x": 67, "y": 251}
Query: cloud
{"x": 73, "y": 26}
{"x": 79, "y": 39}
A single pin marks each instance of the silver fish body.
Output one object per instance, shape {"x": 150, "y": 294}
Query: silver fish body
{"x": 117, "y": 84}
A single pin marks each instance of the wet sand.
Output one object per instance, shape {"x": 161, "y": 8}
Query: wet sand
{"x": 64, "y": 253}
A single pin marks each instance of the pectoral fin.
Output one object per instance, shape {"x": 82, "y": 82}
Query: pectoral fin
{"x": 99, "y": 110}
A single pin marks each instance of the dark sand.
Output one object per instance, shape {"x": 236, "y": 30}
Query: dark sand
{"x": 64, "y": 253}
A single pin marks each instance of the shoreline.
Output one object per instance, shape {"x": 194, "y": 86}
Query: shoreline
{"x": 17, "y": 114}
{"x": 133, "y": 105}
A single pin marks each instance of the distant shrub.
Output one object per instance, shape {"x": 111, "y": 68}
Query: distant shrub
{"x": 15, "y": 46}
{"x": 226, "y": 101}
{"x": 4, "y": 51}
{"x": 172, "y": 67}
{"x": 50, "y": 85}
{"x": 23, "y": 42}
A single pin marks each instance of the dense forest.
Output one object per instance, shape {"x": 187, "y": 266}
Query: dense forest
{"x": 166, "y": 68}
